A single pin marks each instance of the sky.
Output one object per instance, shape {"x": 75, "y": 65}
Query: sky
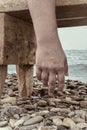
{"x": 73, "y": 38}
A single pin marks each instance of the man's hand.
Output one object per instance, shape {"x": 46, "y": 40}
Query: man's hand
{"x": 51, "y": 64}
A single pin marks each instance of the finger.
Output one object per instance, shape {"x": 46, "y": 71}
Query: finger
{"x": 38, "y": 73}
{"x": 52, "y": 81}
{"x": 61, "y": 79}
{"x": 44, "y": 77}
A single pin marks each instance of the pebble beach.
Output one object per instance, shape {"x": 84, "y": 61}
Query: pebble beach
{"x": 41, "y": 112}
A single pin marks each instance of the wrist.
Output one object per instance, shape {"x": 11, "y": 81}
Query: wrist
{"x": 47, "y": 38}
{"x": 49, "y": 43}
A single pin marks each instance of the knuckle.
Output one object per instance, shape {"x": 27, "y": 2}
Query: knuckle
{"x": 44, "y": 67}
{"x": 53, "y": 67}
{"x": 61, "y": 67}
{"x": 57, "y": 67}
{"x": 52, "y": 82}
{"x": 44, "y": 78}
{"x": 61, "y": 80}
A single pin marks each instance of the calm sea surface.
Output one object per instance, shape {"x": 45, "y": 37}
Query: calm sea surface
{"x": 77, "y": 60}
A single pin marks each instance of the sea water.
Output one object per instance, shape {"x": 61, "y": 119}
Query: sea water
{"x": 77, "y": 61}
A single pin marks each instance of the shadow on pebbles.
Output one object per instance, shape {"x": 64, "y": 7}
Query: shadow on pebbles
{"x": 67, "y": 111}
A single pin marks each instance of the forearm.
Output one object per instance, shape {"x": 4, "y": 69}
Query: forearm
{"x": 44, "y": 19}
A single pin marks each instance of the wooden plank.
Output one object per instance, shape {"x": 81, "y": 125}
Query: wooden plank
{"x": 74, "y": 15}
{"x": 17, "y": 41}
{"x": 14, "y": 5}
{"x": 25, "y": 78}
{"x": 66, "y": 11}
{"x": 72, "y": 22}
{"x": 71, "y": 11}
{"x": 3, "y": 73}
{"x": 70, "y": 2}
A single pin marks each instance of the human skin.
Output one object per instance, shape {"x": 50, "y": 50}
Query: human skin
{"x": 51, "y": 61}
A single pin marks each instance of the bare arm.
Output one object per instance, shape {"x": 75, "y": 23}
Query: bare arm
{"x": 50, "y": 57}
{"x": 44, "y": 19}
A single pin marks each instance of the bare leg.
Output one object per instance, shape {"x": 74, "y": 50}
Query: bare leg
{"x": 3, "y": 73}
{"x": 25, "y": 76}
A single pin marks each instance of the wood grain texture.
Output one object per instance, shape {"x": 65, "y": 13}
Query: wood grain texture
{"x": 17, "y": 38}
{"x": 66, "y": 11}
{"x": 1, "y": 37}
{"x": 14, "y": 5}
{"x": 3, "y": 74}
{"x": 25, "y": 78}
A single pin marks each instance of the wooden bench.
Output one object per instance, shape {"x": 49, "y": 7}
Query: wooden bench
{"x": 17, "y": 37}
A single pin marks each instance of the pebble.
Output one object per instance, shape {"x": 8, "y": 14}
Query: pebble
{"x": 72, "y": 102}
{"x": 29, "y": 127}
{"x": 55, "y": 109}
{"x": 11, "y": 93}
{"x": 67, "y": 122}
{"x": 68, "y": 99}
{"x": 60, "y": 112}
{"x": 9, "y": 83}
{"x": 40, "y": 113}
{"x": 81, "y": 113}
{"x": 75, "y": 127}
{"x": 57, "y": 121}
{"x": 54, "y": 100}
{"x": 62, "y": 128}
{"x": 78, "y": 120}
{"x": 71, "y": 114}
{"x": 44, "y": 128}
{"x": 83, "y": 104}
{"x": 33, "y": 120}
{"x": 12, "y": 122}
{"x": 3, "y": 123}
{"x": 82, "y": 125}
{"x": 8, "y": 100}
{"x": 16, "y": 116}
{"x": 42, "y": 103}
{"x": 60, "y": 117}
{"x": 19, "y": 122}
{"x": 6, "y": 128}
{"x": 65, "y": 110}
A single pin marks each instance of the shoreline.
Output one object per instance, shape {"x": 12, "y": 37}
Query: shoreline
{"x": 41, "y": 112}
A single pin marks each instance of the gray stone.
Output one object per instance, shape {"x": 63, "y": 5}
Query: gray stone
{"x": 40, "y": 113}
{"x": 8, "y": 100}
{"x": 65, "y": 110}
{"x": 3, "y": 123}
{"x": 6, "y": 128}
{"x": 81, "y": 113}
{"x": 42, "y": 103}
{"x": 30, "y": 127}
{"x": 82, "y": 125}
{"x": 71, "y": 114}
{"x": 67, "y": 122}
{"x": 33, "y": 120}
{"x": 78, "y": 120}
{"x": 83, "y": 104}
{"x": 55, "y": 109}
{"x": 57, "y": 121}
{"x": 44, "y": 128}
